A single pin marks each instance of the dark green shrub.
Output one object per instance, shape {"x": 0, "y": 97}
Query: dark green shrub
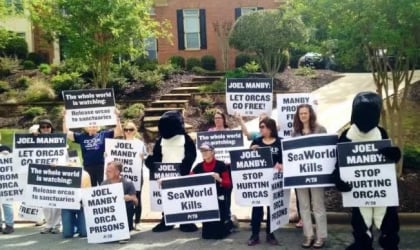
{"x": 23, "y": 82}
{"x": 411, "y": 158}
{"x": 218, "y": 86}
{"x": 242, "y": 59}
{"x": 177, "y": 61}
{"x": 199, "y": 70}
{"x": 251, "y": 67}
{"x": 39, "y": 91}
{"x": 127, "y": 70}
{"x": 134, "y": 111}
{"x": 45, "y": 68}
{"x": 144, "y": 63}
{"x": 166, "y": 70}
{"x": 236, "y": 73}
{"x": 33, "y": 112}
{"x": 72, "y": 65}
{"x": 193, "y": 62}
{"x": 208, "y": 62}
{"x": 37, "y": 58}
{"x": 151, "y": 79}
{"x": 4, "y": 86}
{"x": 28, "y": 64}
{"x": 16, "y": 47}
{"x": 66, "y": 81}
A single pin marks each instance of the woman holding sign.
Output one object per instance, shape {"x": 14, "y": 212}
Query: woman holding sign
{"x": 268, "y": 138}
{"x": 305, "y": 123}
{"x": 219, "y": 120}
{"x": 130, "y": 133}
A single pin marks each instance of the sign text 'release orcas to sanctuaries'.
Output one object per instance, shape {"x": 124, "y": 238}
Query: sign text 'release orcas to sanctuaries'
{"x": 371, "y": 175}
{"x": 222, "y": 141}
{"x": 161, "y": 170}
{"x": 308, "y": 161}
{"x": 190, "y": 199}
{"x": 93, "y": 107}
{"x": 249, "y": 96}
{"x": 54, "y": 186}
{"x": 252, "y": 174}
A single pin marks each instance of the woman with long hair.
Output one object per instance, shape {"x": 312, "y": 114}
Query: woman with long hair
{"x": 305, "y": 123}
{"x": 219, "y": 120}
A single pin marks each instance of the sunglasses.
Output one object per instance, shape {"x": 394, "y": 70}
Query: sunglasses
{"x": 42, "y": 127}
{"x": 128, "y": 129}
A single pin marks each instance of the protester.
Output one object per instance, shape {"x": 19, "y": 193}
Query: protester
{"x": 219, "y": 120}
{"x": 216, "y": 229}
{"x": 51, "y": 215}
{"x": 305, "y": 123}
{"x": 73, "y": 220}
{"x": 7, "y": 207}
{"x": 113, "y": 175}
{"x": 130, "y": 133}
{"x": 268, "y": 138}
{"x": 92, "y": 143}
{"x": 250, "y": 135}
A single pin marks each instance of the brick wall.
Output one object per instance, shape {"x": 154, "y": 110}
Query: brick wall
{"x": 216, "y": 11}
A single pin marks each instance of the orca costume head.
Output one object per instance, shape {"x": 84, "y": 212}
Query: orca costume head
{"x": 366, "y": 111}
{"x": 171, "y": 123}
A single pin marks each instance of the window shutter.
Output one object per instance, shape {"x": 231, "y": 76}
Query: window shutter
{"x": 237, "y": 13}
{"x": 203, "y": 36}
{"x": 180, "y": 26}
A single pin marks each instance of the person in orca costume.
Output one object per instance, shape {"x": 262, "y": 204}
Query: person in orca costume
{"x": 365, "y": 117}
{"x": 173, "y": 146}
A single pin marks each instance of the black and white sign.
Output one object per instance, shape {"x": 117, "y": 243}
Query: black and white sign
{"x": 9, "y": 179}
{"x": 162, "y": 170}
{"x": 54, "y": 186}
{"x": 370, "y": 173}
{"x": 190, "y": 199}
{"x": 30, "y": 213}
{"x": 91, "y": 107}
{"x": 279, "y": 206}
{"x": 222, "y": 141}
{"x": 308, "y": 161}
{"x": 252, "y": 175}
{"x": 129, "y": 153}
{"x": 286, "y": 108}
{"x": 40, "y": 149}
{"x": 249, "y": 96}
{"x": 105, "y": 213}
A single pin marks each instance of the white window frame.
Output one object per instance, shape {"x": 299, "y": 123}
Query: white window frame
{"x": 248, "y": 10}
{"x": 151, "y": 45}
{"x": 187, "y": 16}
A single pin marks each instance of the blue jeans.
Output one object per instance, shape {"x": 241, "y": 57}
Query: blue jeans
{"x": 8, "y": 214}
{"x": 71, "y": 219}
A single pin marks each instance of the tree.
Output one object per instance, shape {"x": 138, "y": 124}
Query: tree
{"x": 97, "y": 30}
{"x": 385, "y": 34}
{"x": 268, "y": 33}
{"x": 222, "y": 30}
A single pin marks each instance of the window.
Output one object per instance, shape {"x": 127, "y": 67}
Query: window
{"x": 152, "y": 11}
{"x": 191, "y": 24}
{"x": 245, "y": 10}
{"x": 151, "y": 48}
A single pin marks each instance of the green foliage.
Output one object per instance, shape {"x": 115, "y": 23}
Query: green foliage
{"x": 166, "y": 70}
{"x": 6, "y": 137}
{"x": 96, "y": 31}
{"x": 411, "y": 157}
{"x": 4, "y": 86}
{"x": 37, "y": 58}
{"x": 72, "y": 65}
{"x": 28, "y": 64}
{"x": 151, "y": 79}
{"x": 33, "y": 112}
{"x": 242, "y": 59}
{"x": 267, "y": 34}
{"x": 23, "y": 82}
{"x": 236, "y": 73}
{"x": 11, "y": 96}
{"x": 193, "y": 62}
{"x": 127, "y": 70}
{"x": 39, "y": 91}
{"x": 134, "y": 111}
{"x": 208, "y": 62}
{"x": 45, "y": 68}
{"x": 143, "y": 63}
{"x": 251, "y": 67}
{"x": 209, "y": 115}
{"x": 177, "y": 61}
{"x": 66, "y": 81}
{"x": 15, "y": 47}
{"x": 218, "y": 86}
{"x": 8, "y": 65}
{"x": 198, "y": 70}
{"x": 204, "y": 102}
{"x": 305, "y": 71}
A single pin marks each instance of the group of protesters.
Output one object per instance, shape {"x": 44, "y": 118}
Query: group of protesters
{"x": 92, "y": 144}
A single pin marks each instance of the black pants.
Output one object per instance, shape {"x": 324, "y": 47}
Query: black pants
{"x": 256, "y": 219}
{"x": 137, "y": 210}
{"x": 96, "y": 174}
{"x": 129, "y": 206}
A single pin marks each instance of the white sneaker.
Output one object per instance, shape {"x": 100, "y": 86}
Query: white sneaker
{"x": 46, "y": 230}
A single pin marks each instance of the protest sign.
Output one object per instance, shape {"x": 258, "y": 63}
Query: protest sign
{"x": 249, "y": 96}
{"x": 129, "y": 153}
{"x": 105, "y": 213}
{"x": 371, "y": 175}
{"x": 252, "y": 175}
{"x": 54, "y": 186}
{"x": 90, "y": 107}
{"x": 37, "y": 149}
{"x": 161, "y": 170}
{"x": 222, "y": 141}
{"x": 190, "y": 199}
{"x": 30, "y": 213}
{"x": 279, "y": 205}
{"x": 9, "y": 179}
{"x": 286, "y": 108}
{"x": 308, "y": 161}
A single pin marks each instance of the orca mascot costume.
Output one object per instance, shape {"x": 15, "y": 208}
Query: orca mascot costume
{"x": 364, "y": 127}
{"x": 173, "y": 146}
